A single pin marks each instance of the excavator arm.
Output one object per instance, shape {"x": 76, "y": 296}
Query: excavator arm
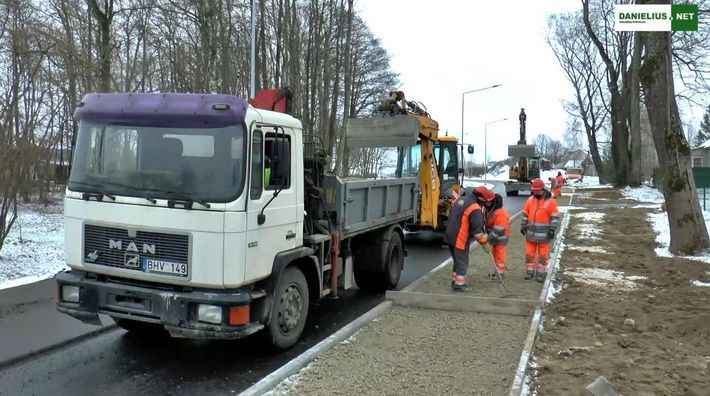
{"x": 399, "y": 125}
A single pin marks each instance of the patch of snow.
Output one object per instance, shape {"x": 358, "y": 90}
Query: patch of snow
{"x": 700, "y": 284}
{"x": 473, "y": 183}
{"x": 498, "y": 173}
{"x": 588, "y": 182}
{"x": 659, "y": 222}
{"x": 34, "y": 249}
{"x": 588, "y": 226}
{"x": 589, "y": 249}
{"x": 603, "y": 278}
{"x": 643, "y": 194}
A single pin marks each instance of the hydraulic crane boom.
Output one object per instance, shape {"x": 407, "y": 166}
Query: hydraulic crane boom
{"x": 402, "y": 122}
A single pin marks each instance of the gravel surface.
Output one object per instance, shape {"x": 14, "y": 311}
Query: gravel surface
{"x": 413, "y": 351}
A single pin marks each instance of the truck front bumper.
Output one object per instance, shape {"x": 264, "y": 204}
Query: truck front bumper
{"x": 175, "y": 311}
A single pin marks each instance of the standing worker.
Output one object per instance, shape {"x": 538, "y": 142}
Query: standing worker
{"x": 465, "y": 223}
{"x": 539, "y": 223}
{"x": 558, "y": 182}
{"x": 498, "y": 227}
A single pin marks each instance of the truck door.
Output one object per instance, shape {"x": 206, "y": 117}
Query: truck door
{"x": 271, "y": 147}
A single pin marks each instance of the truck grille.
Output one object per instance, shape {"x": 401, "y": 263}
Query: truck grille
{"x": 113, "y": 247}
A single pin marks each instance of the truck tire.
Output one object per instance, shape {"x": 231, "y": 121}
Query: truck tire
{"x": 140, "y": 328}
{"x": 392, "y": 256}
{"x": 290, "y": 309}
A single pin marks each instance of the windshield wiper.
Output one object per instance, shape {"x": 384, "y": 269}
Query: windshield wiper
{"x": 180, "y": 199}
{"x": 134, "y": 190}
{"x": 95, "y": 192}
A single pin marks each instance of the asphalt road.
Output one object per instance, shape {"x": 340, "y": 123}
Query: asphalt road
{"x": 116, "y": 363}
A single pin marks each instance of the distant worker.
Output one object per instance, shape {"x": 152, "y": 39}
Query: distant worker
{"x": 498, "y": 228}
{"x": 465, "y": 223}
{"x": 539, "y": 223}
{"x": 558, "y": 182}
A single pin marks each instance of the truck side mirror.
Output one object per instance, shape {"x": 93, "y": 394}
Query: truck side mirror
{"x": 470, "y": 149}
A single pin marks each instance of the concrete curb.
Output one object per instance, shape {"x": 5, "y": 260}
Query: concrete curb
{"x": 272, "y": 380}
{"x": 69, "y": 341}
{"x": 518, "y": 387}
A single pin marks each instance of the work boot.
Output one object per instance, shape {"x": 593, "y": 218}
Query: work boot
{"x": 461, "y": 288}
{"x": 541, "y": 276}
{"x": 529, "y": 274}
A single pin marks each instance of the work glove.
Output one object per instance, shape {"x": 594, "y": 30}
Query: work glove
{"x": 551, "y": 234}
{"x": 486, "y": 247}
{"x": 523, "y": 231}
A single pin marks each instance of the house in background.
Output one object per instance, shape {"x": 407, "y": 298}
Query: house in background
{"x": 578, "y": 159}
{"x": 700, "y": 156}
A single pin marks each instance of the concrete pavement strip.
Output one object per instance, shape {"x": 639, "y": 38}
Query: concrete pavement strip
{"x": 460, "y": 303}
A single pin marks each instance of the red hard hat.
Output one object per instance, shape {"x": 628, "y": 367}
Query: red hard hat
{"x": 538, "y": 185}
{"x": 484, "y": 192}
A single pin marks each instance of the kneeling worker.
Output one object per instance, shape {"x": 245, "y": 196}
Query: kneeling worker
{"x": 465, "y": 223}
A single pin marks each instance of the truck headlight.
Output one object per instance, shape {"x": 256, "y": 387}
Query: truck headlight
{"x": 209, "y": 313}
{"x": 70, "y": 293}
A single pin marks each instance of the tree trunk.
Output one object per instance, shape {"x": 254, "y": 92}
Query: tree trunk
{"x": 343, "y": 153}
{"x": 635, "y": 112}
{"x": 104, "y": 19}
{"x": 687, "y": 226}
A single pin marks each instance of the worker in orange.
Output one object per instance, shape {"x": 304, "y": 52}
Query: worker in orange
{"x": 498, "y": 228}
{"x": 539, "y": 222}
{"x": 465, "y": 224}
{"x": 557, "y": 183}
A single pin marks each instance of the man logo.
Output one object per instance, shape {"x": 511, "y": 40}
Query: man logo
{"x": 131, "y": 247}
{"x": 132, "y": 260}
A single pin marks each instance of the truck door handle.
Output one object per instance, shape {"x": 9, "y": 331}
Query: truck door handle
{"x": 290, "y": 235}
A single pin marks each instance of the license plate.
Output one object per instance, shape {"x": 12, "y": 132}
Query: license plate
{"x": 164, "y": 267}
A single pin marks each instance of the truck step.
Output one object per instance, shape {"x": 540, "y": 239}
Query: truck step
{"x": 327, "y": 267}
{"x": 325, "y": 292}
{"x": 258, "y": 294}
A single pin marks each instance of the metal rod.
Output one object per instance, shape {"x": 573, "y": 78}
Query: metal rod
{"x": 252, "y": 75}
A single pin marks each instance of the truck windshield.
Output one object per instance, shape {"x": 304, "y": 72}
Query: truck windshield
{"x": 199, "y": 164}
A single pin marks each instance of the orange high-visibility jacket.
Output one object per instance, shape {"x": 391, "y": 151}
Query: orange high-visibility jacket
{"x": 560, "y": 180}
{"x": 498, "y": 225}
{"x": 465, "y": 222}
{"x": 540, "y": 216}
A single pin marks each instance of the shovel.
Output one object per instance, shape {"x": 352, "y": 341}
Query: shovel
{"x": 495, "y": 267}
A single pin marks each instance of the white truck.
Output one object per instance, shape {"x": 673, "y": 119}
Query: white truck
{"x": 211, "y": 218}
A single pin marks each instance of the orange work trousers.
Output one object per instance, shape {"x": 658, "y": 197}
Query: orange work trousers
{"x": 499, "y": 256}
{"x": 537, "y": 253}
{"x": 557, "y": 192}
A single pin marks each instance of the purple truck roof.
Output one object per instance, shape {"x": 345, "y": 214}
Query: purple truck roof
{"x": 162, "y": 109}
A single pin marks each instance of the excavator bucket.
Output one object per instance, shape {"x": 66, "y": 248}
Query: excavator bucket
{"x": 389, "y": 131}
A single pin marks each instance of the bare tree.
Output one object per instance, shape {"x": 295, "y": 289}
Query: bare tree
{"x": 687, "y": 227}
{"x": 579, "y": 59}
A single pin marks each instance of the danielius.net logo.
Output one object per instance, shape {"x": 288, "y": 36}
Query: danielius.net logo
{"x": 656, "y": 17}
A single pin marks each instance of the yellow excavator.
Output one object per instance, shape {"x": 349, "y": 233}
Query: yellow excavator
{"x": 422, "y": 153}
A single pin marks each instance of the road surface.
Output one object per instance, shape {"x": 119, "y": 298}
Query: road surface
{"x": 116, "y": 363}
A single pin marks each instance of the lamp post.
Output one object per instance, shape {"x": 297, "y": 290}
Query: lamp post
{"x": 485, "y": 145}
{"x": 462, "y": 110}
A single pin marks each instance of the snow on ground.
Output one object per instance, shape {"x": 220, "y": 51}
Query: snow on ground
{"x": 643, "y": 194}
{"x": 588, "y": 226}
{"x": 588, "y": 182}
{"x": 497, "y": 173}
{"x": 34, "y": 249}
{"x": 700, "y": 284}
{"x": 603, "y": 277}
{"x": 659, "y": 222}
{"x": 473, "y": 183}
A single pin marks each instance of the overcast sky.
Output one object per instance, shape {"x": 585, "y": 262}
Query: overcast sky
{"x": 443, "y": 48}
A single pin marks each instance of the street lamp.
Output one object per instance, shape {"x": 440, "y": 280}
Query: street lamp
{"x": 485, "y": 145}
{"x": 462, "y": 110}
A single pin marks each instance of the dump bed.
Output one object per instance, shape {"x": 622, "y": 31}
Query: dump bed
{"x": 364, "y": 205}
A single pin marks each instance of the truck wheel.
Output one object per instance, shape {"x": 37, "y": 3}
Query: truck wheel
{"x": 140, "y": 328}
{"x": 290, "y": 309}
{"x": 392, "y": 256}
